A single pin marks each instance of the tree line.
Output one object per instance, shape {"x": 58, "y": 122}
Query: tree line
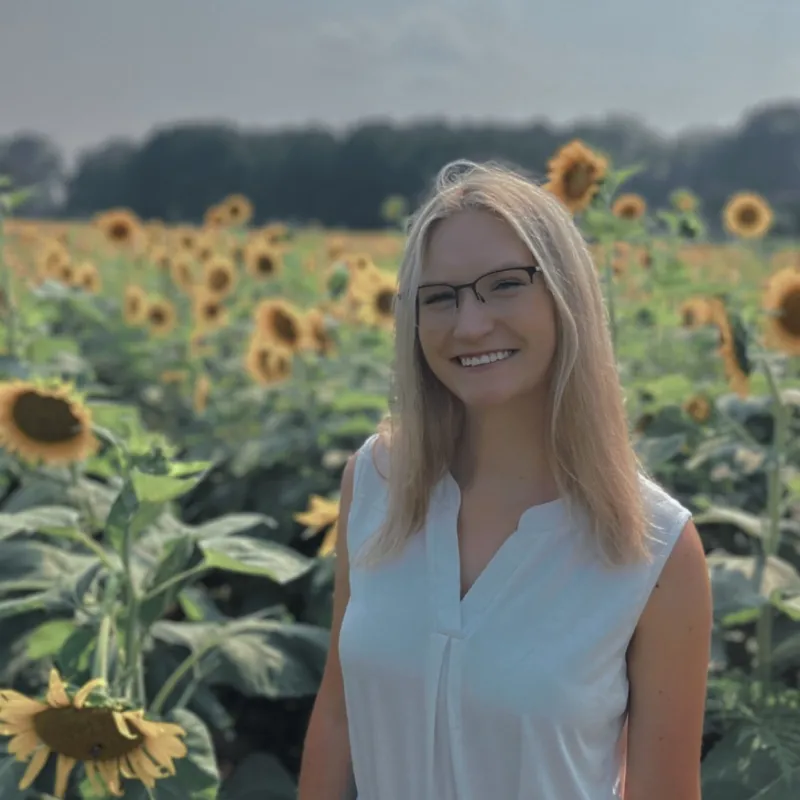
{"x": 341, "y": 179}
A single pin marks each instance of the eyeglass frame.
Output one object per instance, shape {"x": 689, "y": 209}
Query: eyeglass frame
{"x": 531, "y": 269}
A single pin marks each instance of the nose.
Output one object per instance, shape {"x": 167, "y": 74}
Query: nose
{"x": 473, "y": 319}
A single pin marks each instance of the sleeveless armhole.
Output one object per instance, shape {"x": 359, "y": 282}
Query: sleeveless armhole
{"x": 667, "y": 520}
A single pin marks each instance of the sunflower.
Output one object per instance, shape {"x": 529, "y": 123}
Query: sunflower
{"x": 732, "y": 349}
{"x": 219, "y": 275}
{"x": 782, "y": 303}
{"x": 208, "y": 310}
{"x": 335, "y": 248}
{"x": 119, "y": 226}
{"x": 698, "y": 408}
{"x": 159, "y": 257}
{"x": 111, "y": 741}
{"x": 205, "y": 248}
{"x": 696, "y": 312}
{"x": 65, "y": 273}
{"x": 574, "y": 174}
{"x": 87, "y": 278}
{"x": 629, "y": 206}
{"x": 45, "y": 424}
{"x": 378, "y": 310}
{"x": 261, "y": 259}
{"x": 51, "y": 256}
{"x": 215, "y": 217}
{"x": 279, "y": 322}
{"x": 275, "y": 232}
{"x": 267, "y": 362}
{"x": 202, "y": 389}
{"x": 322, "y": 513}
{"x": 134, "y": 305}
{"x": 237, "y": 209}
{"x": 684, "y": 200}
{"x": 161, "y": 316}
{"x": 182, "y": 271}
{"x": 747, "y": 215}
{"x": 186, "y": 239}
{"x": 319, "y": 337}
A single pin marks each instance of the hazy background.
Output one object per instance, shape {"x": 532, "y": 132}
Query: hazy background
{"x": 79, "y": 73}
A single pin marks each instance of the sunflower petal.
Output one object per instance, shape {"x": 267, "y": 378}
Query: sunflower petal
{"x": 35, "y": 766}
{"x": 57, "y": 692}
{"x": 64, "y": 767}
{"x": 143, "y": 769}
{"x": 24, "y": 744}
{"x": 122, "y": 725}
{"x": 80, "y": 696}
{"x": 109, "y": 771}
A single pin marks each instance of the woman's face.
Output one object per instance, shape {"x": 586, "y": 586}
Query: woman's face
{"x": 486, "y": 353}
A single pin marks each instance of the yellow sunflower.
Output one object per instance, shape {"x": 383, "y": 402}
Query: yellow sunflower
{"x": 237, "y": 209}
{"x": 208, "y": 311}
{"x": 87, "y": 278}
{"x": 205, "y": 248}
{"x": 782, "y": 304}
{"x": 119, "y": 226}
{"x": 159, "y": 256}
{"x": 280, "y": 322}
{"x": 111, "y": 741}
{"x": 134, "y": 305}
{"x": 747, "y": 215}
{"x": 182, "y": 271}
{"x": 319, "y": 337}
{"x": 629, "y": 206}
{"x": 335, "y": 248}
{"x": 275, "y": 232}
{"x": 267, "y": 362}
{"x": 574, "y": 174}
{"x": 186, "y": 239}
{"x": 45, "y": 424}
{"x": 219, "y": 275}
{"x": 696, "y": 312}
{"x": 731, "y": 350}
{"x": 378, "y": 310}
{"x": 50, "y": 258}
{"x": 261, "y": 259}
{"x": 161, "y": 316}
{"x": 698, "y": 408}
{"x": 322, "y": 513}
{"x": 215, "y": 217}
{"x": 65, "y": 273}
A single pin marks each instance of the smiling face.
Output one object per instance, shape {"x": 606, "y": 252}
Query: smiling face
{"x": 489, "y": 353}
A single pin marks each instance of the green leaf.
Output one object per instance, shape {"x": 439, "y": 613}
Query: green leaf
{"x": 35, "y": 519}
{"x": 259, "y": 777}
{"x": 250, "y": 556}
{"x": 232, "y": 523}
{"x": 161, "y": 488}
{"x": 27, "y": 559}
{"x": 11, "y": 772}
{"x": 76, "y": 653}
{"x": 128, "y": 513}
{"x": 655, "y": 451}
{"x": 751, "y": 524}
{"x": 49, "y": 637}
{"x": 196, "y": 775}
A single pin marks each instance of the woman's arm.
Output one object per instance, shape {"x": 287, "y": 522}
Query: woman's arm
{"x": 326, "y": 771}
{"x": 667, "y": 670}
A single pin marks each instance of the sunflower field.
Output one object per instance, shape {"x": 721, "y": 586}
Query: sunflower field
{"x": 176, "y": 407}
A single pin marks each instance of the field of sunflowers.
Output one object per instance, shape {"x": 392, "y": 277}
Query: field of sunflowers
{"x": 176, "y": 407}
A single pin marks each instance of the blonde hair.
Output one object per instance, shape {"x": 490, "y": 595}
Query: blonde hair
{"x": 589, "y": 447}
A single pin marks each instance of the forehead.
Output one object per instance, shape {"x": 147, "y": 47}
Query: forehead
{"x": 469, "y": 243}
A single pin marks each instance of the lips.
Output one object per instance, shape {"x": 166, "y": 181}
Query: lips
{"x": 484, "y": 359}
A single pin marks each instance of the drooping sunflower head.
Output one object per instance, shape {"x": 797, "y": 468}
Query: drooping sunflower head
{"x": 574, "y": 175}
{"x": 267, "y": 362}
{"x": 219, "y": 275}
{"x": 629, "y": 206}
{"x": 748, "y": 216}
{"x": 781, "y": 301}
{"x": 237, "y": 209}
{"x": 733, "y": 347}
{"x": 208, "y": 311}
{"x": 262, "y": 260}
{"x": 45, "y": 424}
{"x": 698, "y": 407}
{"x": 696, "y": 312}
{"x": 87, "y": 278}
{"x": 279, "y": 322}
{"x": 161, "y": 316}
{"x": 134, "y": 305}
{"x": 119, "y": 226}
{"x": 110, "y": 739}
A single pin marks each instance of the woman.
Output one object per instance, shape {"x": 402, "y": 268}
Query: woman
{"x": 519, "y": 612}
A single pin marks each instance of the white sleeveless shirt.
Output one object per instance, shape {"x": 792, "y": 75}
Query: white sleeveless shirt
{"x": 517, "y": 692}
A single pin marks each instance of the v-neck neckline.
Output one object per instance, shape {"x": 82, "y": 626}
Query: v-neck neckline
{"x": 459, "y": 615}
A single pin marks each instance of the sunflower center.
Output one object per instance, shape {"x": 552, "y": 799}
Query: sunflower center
{"x": 748, "y": 216}
{"x": 157, "y": 316}
{"x": 119, "y": 232}
{"x": 285, "y": 327}
{"x": 790, "y": 312}
{"x": 45, "y": 419}
{"x": 577, "y": 180}
{"x": 264, "y": 265}
{"x": 263, "y": 361}
{"x": 219, "y": 280}
{"x": 134, "y": 304}
{"x": 383, "y": 302}
{"x": 85, "y": 734}
{"x": 211, "y": 310}
{"x": 628, "y": 211}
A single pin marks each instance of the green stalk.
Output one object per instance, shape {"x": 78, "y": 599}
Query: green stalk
{"x": 187, "y": 664}
{"x": 134, "y": 680}
{"x": 181, "y": 576}
{"x": 100, "y": 664}
{"x": 772, "y": 534}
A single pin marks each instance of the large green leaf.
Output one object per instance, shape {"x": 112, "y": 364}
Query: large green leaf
{"x": 151, "y": 488}
{"x": 249, "y": 556}
{"x": 750, "y": 524}
{"x": 233, "y": 524}
{"x": 36, "y": 519}
{"x": 27, "y": 559}
{"x": 259, "y": 777}
{"x": 196, "y": 776}
{"x": 49, "y": 637}
{"x": 128, "y": 514}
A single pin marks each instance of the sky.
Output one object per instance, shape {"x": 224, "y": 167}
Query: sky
{"x": 85, "y": 70}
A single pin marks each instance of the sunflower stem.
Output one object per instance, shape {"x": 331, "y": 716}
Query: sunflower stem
{"x": 772, "y": 535}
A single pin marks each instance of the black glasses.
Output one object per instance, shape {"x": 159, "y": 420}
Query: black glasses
{"x": 438, "y": 302}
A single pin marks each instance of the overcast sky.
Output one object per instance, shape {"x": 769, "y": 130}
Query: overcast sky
{"x": 82, "y": 70}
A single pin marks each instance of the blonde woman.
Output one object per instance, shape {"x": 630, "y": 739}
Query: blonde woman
{"x": 520, "y": 613}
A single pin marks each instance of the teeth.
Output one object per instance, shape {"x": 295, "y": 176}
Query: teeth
{"x": 486, "y": 358}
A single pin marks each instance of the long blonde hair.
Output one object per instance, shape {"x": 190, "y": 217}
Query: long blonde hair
{"x": 589, "y": 447}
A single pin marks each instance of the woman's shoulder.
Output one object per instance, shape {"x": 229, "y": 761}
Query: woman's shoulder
{"x": 373, "y": 455}
{"x": 666, "y": 514}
